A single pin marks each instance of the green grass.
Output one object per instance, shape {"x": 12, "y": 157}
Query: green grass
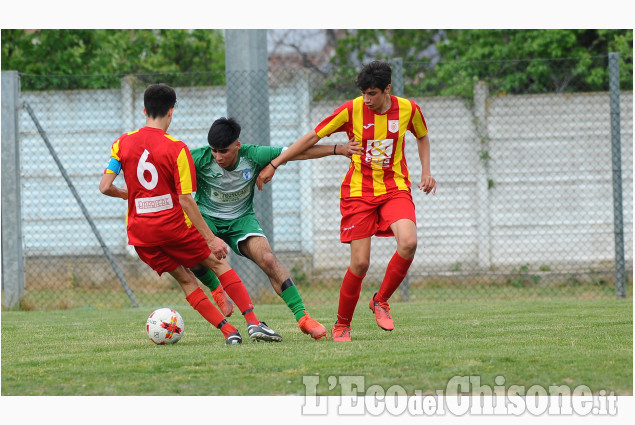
{"x": 71, "y": 298}
{"x": 106, "y": 352}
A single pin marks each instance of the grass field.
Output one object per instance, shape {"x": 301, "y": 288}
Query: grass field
{"x": 106, "y": 352}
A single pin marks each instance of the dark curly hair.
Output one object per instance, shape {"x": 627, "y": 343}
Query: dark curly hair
{"x": 376, "y": 74}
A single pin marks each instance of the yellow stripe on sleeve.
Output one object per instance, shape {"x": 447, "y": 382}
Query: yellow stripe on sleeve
{"x": 114, "y": 151}
{"x": 334, "y": 124}
{"x": 418, "y": 125}
{"x": 185, "y": 175}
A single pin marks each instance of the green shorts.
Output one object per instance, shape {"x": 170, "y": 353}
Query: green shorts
{"x": 235, "y": 231}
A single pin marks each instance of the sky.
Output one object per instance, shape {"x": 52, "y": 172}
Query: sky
{"x": 323, "y": 14}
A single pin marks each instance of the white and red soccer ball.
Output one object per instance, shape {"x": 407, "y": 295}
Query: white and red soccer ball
{"x": 165, "y": 326}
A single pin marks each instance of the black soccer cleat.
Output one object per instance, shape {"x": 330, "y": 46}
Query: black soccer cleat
{"x": 262, "y": 332}
{"x": 234, "y": 338}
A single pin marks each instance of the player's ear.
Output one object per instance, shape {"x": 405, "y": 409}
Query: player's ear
{"x": 238, "y": 144}
{"x": 387, "y": 89}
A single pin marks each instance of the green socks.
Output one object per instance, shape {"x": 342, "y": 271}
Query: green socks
{"x": 292, "y": 298}
{"x": 289, "y": 295}
{"x": 209, "y": 279}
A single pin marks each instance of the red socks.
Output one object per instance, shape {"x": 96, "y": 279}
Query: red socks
{"x": 199, "y": 302}
{"x": 395, "y": 273}
{"x": 238, "y": 293}
{"x": 349, "y": 295}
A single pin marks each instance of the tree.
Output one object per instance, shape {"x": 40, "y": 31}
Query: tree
{"x": 529, "y": 61}
{"x": 360, "y": 46}
{"x": 447, "y": 62}
{"x": 103, "y": 56}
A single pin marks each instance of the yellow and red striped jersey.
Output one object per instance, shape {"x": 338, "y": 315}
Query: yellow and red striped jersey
{"x": 381, "y": 168}
{"x": 157, "y": 169}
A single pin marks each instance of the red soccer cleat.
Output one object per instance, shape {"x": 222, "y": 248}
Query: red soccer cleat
{"x": 311, "y": 326}
{"x": 341, "y": 333}
{"x": 382, "y": 315}
{"x": 223, "y": 302}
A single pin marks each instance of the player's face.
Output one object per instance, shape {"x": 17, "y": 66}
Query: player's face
{"x": 227, "y": 157}
{"x": 375, "y": 99}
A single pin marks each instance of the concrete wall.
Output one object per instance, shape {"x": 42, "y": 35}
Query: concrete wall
{"x": 549, "y": 164}
{"x": 551, "y": 201}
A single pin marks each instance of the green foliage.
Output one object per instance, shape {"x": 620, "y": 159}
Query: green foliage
{"x": 521, "y": 277}
{"x": 300, "y": 277}
{"x": 105, "y": 55}
{"x": 363, "y": 45}
{"x": 530, "y": 61}
{"x": 509, "y": 60}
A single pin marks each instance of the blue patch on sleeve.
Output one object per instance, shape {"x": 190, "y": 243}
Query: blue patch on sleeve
{"x": 114, "y": 166}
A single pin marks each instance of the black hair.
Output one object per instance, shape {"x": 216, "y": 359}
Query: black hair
{"x": 158, "y": 99}
{"x": 223, "y": 132}
{"x": 376, "y": 74}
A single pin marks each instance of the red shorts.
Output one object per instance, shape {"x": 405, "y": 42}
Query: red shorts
{"x": 365, "y": 217}
{"x": 187, "y": 252}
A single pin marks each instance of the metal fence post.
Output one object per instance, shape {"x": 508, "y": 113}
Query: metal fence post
{"x": 127, "y": 103}
{"x": 12, "y": 260}
{"x": 397, "y": 76}
{"x": 398, "y": 90}
{"x": 481, "y": 94}
{"x": 618, "y": 224}
{"x": 81, "y": 205}
{"x": 247, "y": 73}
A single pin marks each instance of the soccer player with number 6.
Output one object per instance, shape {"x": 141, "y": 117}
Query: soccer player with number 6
{"x": 164, "y": 223}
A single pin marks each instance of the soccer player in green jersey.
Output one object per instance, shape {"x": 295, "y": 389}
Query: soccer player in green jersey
{"x": 226, "y": 173}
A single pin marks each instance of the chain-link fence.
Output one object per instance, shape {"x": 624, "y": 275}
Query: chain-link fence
{"x": 524, "y": 206}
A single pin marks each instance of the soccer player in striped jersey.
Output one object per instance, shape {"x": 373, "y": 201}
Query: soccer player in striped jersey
{"x": 375, "y": 196}
{"x": 163, "y": 222}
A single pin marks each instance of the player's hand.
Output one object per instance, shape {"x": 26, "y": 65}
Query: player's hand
{"x": 218, "y": 247}
{"x": 265, "y": 176}
{"x": 428, "y": 184}
{"x": 352, "y": 148}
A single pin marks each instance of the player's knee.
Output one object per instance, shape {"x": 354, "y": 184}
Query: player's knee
{"x": 407, "y": 247}
{"x": 269, "y": 261}
{"x": 360, "y": 266}
{"x": 212, "y": 263}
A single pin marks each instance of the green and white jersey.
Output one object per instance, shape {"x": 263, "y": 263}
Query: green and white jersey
{"x": 229, "y": 194}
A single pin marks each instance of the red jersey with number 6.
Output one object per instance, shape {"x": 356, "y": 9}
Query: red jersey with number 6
{"x": 157, "y": 169}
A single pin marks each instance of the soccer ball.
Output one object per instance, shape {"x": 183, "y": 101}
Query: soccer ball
{"x": 165, "y": 326}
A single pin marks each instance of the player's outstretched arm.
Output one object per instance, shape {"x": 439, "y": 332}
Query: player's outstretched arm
{"x": 107, "y": 187}
{"x": 298, "y": 147}
{"x": 217, "y": 245}
{"x": 348, "y": 150}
